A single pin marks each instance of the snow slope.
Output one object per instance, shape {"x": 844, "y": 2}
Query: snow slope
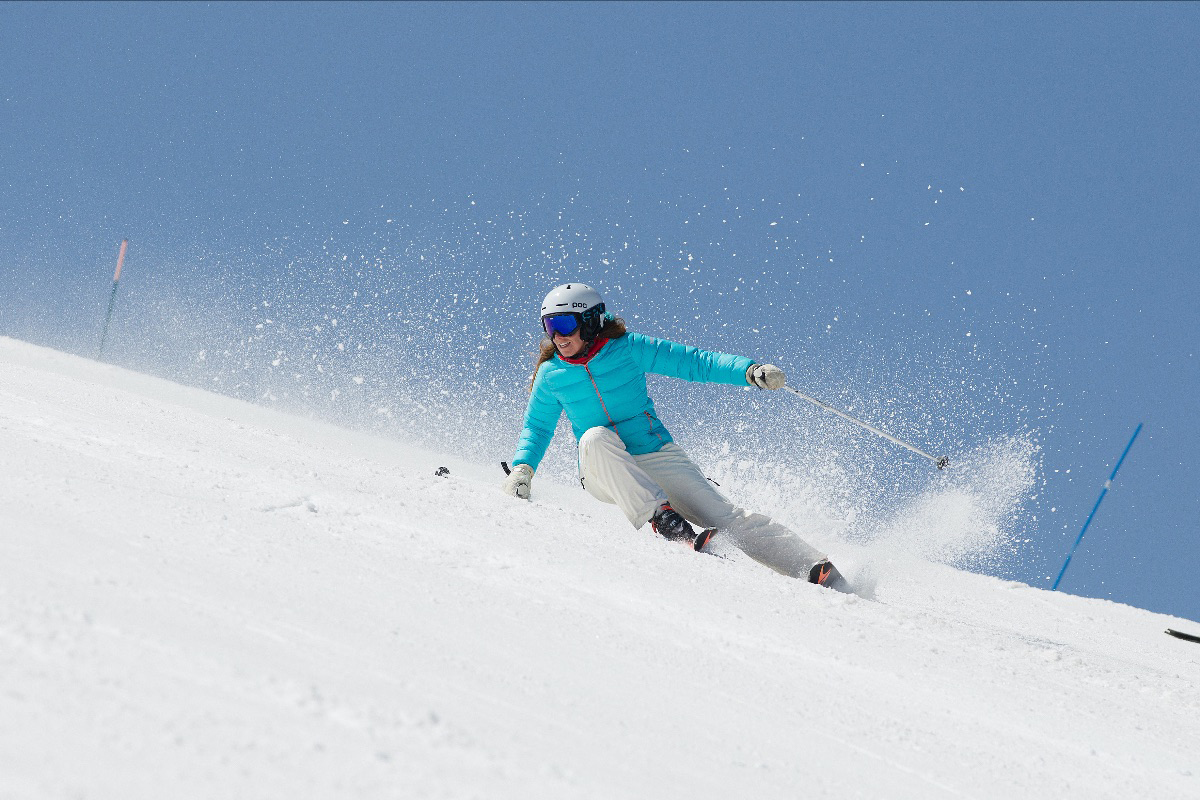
{"x": 204, "y": 598}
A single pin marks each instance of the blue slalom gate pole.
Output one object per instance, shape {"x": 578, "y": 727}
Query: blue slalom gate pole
{"x": 1104, "y": 491}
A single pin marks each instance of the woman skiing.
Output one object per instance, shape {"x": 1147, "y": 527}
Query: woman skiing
{"x": 592, "y": 368}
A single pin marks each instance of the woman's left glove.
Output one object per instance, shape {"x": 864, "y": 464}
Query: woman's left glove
{"x": 766, "y": 376}
{"x": 517, "y": 482}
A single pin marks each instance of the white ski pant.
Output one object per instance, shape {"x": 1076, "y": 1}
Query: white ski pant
{"x": 640, "y": 484}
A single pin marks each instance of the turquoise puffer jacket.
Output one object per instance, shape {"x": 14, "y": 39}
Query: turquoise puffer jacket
{"x": 609, "y": 389}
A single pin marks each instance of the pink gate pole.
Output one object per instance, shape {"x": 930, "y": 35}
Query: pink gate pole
{"x": 112, "y": 298}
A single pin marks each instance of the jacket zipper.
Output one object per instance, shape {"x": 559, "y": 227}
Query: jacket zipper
{"x": 599, "y": 396}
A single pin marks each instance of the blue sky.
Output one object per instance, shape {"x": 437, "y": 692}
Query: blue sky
{"x": 964, "y": 221}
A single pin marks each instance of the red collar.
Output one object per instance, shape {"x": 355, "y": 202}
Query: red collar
{"x": 586, "y": 357}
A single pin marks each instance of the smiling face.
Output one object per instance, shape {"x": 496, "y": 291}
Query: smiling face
{"x": 569, "y": 346}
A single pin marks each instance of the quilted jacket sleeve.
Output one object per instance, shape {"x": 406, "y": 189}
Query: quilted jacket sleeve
{"x": 541, "y": 418}
{"x": 664, "y": 357}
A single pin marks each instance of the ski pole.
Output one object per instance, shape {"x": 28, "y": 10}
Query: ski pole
{"x": 112, "y": 298}
{"x": 1103, "y": 492}
{"x": 941, "y": 461}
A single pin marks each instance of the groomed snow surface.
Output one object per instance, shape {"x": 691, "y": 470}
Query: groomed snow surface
{"x": 201, "y": 598}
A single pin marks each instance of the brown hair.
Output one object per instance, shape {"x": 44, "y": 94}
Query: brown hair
{"x": 613, "y": 328}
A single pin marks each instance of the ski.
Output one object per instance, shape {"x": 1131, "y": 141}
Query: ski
{"x": 1187, "y": 637}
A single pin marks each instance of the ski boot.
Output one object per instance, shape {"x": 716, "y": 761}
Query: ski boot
{"x": 824, "y": 573}
{"x": 670, "y": 524}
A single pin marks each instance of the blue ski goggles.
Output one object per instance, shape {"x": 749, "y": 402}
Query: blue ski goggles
{"x": 561, "y": 324}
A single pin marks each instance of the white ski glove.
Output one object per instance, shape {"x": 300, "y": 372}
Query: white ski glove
{"x": 766, "y": 376}
{"x": 517, "y": 482}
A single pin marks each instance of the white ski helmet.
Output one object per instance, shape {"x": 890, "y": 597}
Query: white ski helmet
{"x": 572, "y": 306}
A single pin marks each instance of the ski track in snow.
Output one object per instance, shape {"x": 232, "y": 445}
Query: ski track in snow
{"x": 204, "y": 598}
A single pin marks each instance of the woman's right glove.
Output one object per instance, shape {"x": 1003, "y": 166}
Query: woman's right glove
{"x": 517, "y": 482}
{"x": 766, "y": 376}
